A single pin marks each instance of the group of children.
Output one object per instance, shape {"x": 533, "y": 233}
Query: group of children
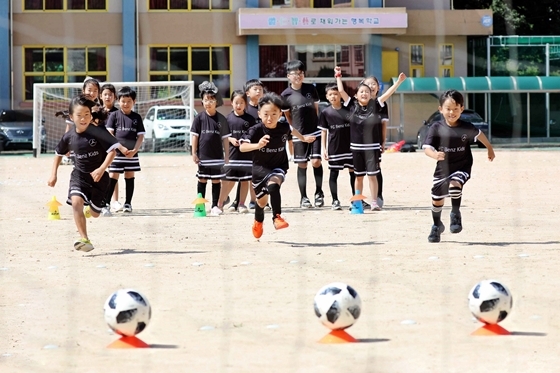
{"x": 252, "y": 143}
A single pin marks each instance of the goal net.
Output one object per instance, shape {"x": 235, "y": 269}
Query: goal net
{"x": 167, "y": 109}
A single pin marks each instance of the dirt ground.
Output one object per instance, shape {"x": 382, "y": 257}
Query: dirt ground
{"x": 225, "y": 302}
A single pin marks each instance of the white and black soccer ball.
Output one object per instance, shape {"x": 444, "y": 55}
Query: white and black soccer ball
{"x": 337, "y": 305}
{"x": 490, "y": 301}
{"x": 127, "y": 312}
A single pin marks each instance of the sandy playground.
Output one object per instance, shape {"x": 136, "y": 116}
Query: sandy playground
{"x": 225, "y": 302}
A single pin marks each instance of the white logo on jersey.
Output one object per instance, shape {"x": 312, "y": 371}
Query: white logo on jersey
{"x": 284, "y": 138}
{"x": 245, "y": 124}
{"x": 92, "y": 142}
{"x": 464, "y": 138}
{"x": 308, "y": 96}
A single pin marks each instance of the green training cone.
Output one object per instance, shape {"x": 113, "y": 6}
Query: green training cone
{"x": 199, "y": 207}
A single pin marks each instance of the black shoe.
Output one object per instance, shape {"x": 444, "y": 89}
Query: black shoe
{"x": 435, "y": 233}
{"x": 319, "y": 200}
{"x": 336, "y": 205}
{"x": 366, "y": 205}
{"x": 455, "y": 226}
{"x": 305, "y": 203}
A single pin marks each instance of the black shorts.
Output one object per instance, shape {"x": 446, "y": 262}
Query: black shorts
{"x": 122, "y": 164}
{"x": 237, "y": 173}
{"x": 260, "y": 182}
{"x": 93, "y": 194}
{"x": 341, "y": 161}
{"x": 210, "y": 172}
{"x": 366, "y": 162}
{"x": 440, "y": 188}
{"x": 304, "y": 151}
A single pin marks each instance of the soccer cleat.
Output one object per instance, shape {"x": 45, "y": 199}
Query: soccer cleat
{"x": 83, "y": 244}
{"x": 305, "y": 203}
{"x": 215, "y": 211}
{"x": 127, "y": 207}
{"x": 87, "y": 212}
{"x": 435, "y": 233}
{"x": 455, "y": 226}
{"x": 242, "y": 209}
{"x": 336, "y": 205}
{"x": 319, "y": 200}
{"x": 380, "y": 202}
{"x": 257, "y": 229}
{"x": 280, "y": 223}
{"x": 365, "y": 205}
{"x": 252, "y": 205}
{"x": 106, "y": 211}
{"x": 116, "y": 206}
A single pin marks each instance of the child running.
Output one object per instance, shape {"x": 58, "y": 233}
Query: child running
{"x": 448, "y": 142}
{"x": 127, "y": 126}
{"x": 239, "y": 169}
{"x": 267, "y": 140}
{"x": 94, "y": 150}
{"x": 210, "y": 142}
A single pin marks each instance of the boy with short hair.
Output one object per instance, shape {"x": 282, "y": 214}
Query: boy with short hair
{"x": 302, "y": 113}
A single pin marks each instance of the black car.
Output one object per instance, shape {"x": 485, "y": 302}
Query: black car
{"x": 468, "y": 115}
{"x": 16, "y": 130}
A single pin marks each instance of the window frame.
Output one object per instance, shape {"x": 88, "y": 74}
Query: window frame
{"x": 65, "y": 73}
{"x": 64, "y": 8}
{"x": 442, "y": 57}
{"x": 189, "y": 7}
{"x": 413, "y": 66}
{"x": 190, "y": 73}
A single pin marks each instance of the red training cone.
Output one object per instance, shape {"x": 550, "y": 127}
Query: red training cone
{"x": 128, "y": 342}
{"x": 338, "y": 336}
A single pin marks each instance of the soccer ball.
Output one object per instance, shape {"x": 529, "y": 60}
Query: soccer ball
{"x": 490, "y": 301}
{"x": 337, "y": 305}
{"x": 127, "y": 312}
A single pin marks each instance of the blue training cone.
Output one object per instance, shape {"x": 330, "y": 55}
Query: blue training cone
{"x": 356, "y": 201}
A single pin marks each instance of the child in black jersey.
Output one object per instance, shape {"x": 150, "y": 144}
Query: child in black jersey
{"x": 267, "y": 141}
{"x": 127, "y": 126}
{"x": 108, "y": 96}
{"x": 302, "y": 113}
{"x": 240, "y": 163}
{"x": 94, "y": 149}
{"x": 210, "y": 144}
{"x": 448, "y": 142}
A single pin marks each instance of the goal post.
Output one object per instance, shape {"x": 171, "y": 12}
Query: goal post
{"x": 174, "y": 100}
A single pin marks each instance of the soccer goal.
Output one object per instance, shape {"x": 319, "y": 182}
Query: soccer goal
{"x": 167, "y": 109}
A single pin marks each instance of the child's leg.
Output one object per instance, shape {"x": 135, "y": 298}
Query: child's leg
{"x": 373, "y": 189}
{"x": 243, "y": 190}
{"x": 114, "y": 178}
{"x": 252, "y": 193}
{"x": 129, "y": 184}
{"x": 359, "y": 185}
{"x": 226, "y": 188}
{"x": 259, "y": 208}
{"x": 201, "y": 187}
{"x": 437, "y": 207}
{"x": 352, "y": 180}
{"x": 379, "y": 185}
{"x": 79, "y": 218}
{"x": 216, "y": 186}
{"x": 302, "y": 179}
{"x": 318, "y": 174}
{"x": 275, "y": 197}
{"x": 116, "y": 191}
{"x": 333, "y": 178}
{"x": 455, "y": 192}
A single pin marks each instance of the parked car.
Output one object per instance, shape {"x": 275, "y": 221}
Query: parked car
{"x": 468, "y": 115}
{"x": 168, "y": 126}
{"x": 16, "y": 130}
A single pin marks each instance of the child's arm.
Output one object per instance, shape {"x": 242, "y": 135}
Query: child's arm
{"x": 226, "y": 150}
{"x": 288, "y": 115}
{"x": 324, "y": 144}
{"x": 484, "y": 140}
{"x": 249, "y": 147}
{"x": 131, "y": 152}
{"x": 195, "y": 149}
{"x": 432, "y": 153}
{"x": 303, "y": 138}
{"x": 339, "y": 85}
{"x": 385, "y": 96}
{"x": 383, "y": 133}
{"x": 54, "y": 171}
{"x": 98, "y": 172}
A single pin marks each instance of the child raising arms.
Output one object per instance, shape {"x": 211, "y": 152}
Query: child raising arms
{"x": 267, "y": 140}
{"x": 448, "y": 142}
{"x": 94, "y": 149}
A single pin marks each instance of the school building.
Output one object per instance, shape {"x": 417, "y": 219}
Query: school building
{"x": 228, "y": 41}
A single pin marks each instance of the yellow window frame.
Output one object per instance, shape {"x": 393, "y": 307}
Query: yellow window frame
{"x": 64, "y": 8}
{"x": 189, "y": 8}
{"x": 64, "y": 73}
{"x": 416, "y": 65}
{"x": 446, "y": 60}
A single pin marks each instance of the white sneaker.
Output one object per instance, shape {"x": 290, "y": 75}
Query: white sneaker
{"x": 243, "y": 210}
{"x": 374, "y": 206}
{"x": 116, "y": 206}
{"x": 106, "y": 212}
{"x": 215, "y": 211}
{"x": 127, "y": 207}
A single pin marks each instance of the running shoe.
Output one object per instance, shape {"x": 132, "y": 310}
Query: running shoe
{"x": 83, "y": 244}
{"x": 257, "y": 229}
{"x": 280, "y": 223}
{"x": 116, "y": 206}
{"x": 455, "y": 226}
{"x": 319, "y": 200}
{"x": 243, "y": 209}
{"x": 336, "y": 205}
{"x": 87, "y": 212}
{"x": 305, "y": 203}
{"x": 216, "y": 211}
{"x": 127, "y": 207}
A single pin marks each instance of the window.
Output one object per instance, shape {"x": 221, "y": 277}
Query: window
{"x": 313, "y": 3}
{"x": 446, "y": 61}
{"x": 189, "y": 4}
{"x": 65, "y": 5}
{"x": 196, "y": 63}
{"x": 416, "y": 60}
{"x": 62, "y": 65}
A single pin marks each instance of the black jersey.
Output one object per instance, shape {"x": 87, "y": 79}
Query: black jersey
{"x": 211, "y": 131}
{"x": 90, "y": 147}
{"x": 455, "y": 143}
{"x": 103, "y": 122}
{"x": 302, "y": 108}
{"x": 273, "y": 155}
{"x": 253, "y": 111}
{"x": 238, "y": 126}
{"x": 126, "y": 128}
{"x": 364, "y": 125}
{"x": 337, "y": 123}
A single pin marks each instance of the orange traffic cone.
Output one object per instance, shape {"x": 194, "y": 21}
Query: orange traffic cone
{"x": 396, "y": 147}
{"x": 338, "y": 336}
{"x": 490, "y": 330}
{"x": 53, "y": 209}
{"x": 128, "y": 342}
